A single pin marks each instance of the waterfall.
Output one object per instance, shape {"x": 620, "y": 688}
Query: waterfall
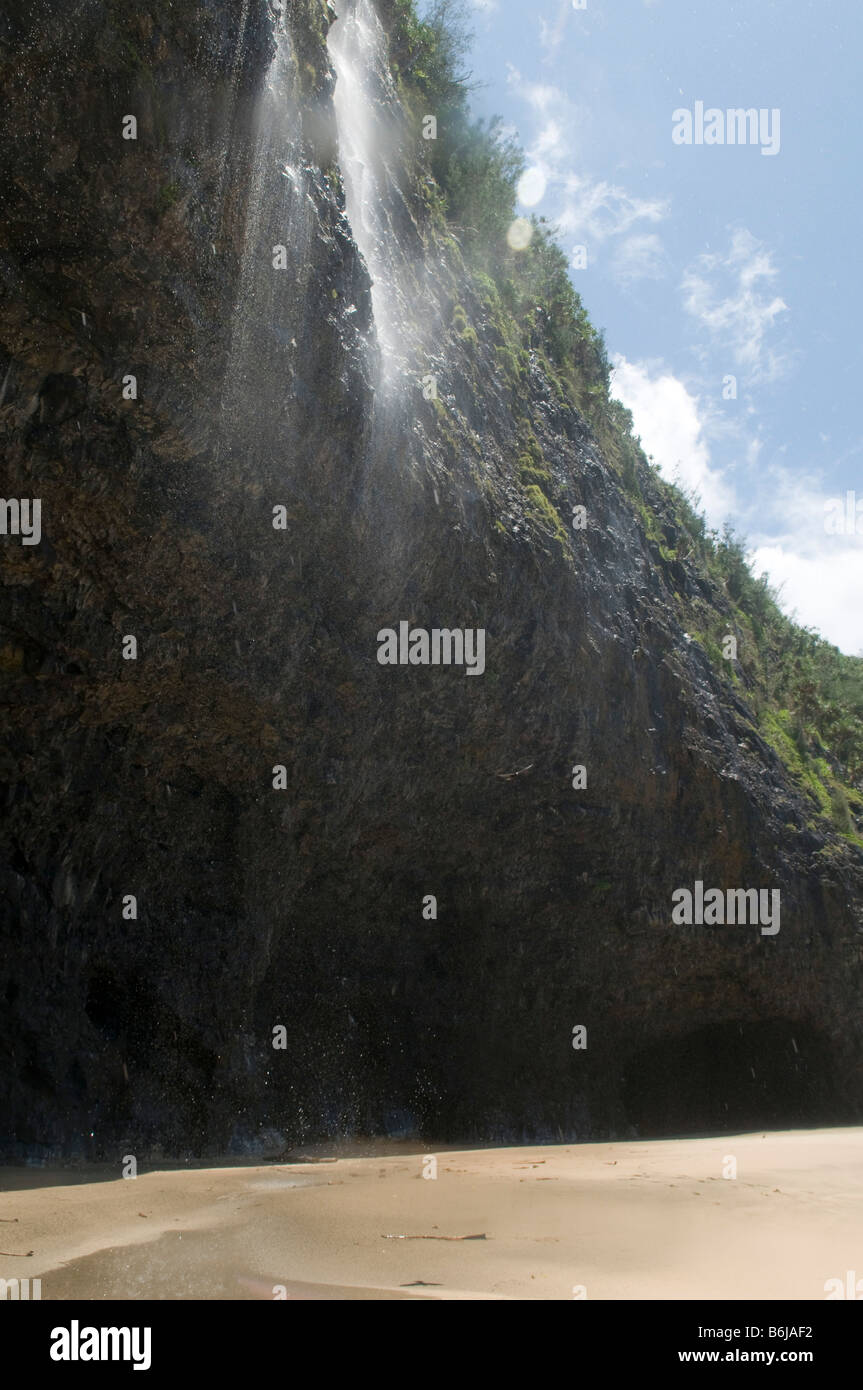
{"x": 269, "y": 331}
{"x": 370, "y": 133}
{"x": 231, "y": 103}
{"x": 271, "y": 302}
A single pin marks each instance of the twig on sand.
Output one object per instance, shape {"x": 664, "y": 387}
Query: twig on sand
{"x": 16, "y": 1254}
{"x": 481, "y": 1236}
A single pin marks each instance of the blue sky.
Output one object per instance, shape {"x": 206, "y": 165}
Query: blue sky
{"x": 706, "y": 261}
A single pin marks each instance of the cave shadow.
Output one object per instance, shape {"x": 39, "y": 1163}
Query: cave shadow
{"x": 733, "y": 1077}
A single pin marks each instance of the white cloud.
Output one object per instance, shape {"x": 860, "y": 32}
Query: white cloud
{"x": 531, "y": 186}
{"x": 823, "y": 586}
{"x": 731, "y": 298}
{"x": 821, "y": 574}
{"x": 542, "y": 96}
{"x": 551, "y": 34}
{"x": 592, "y": 210}
{"x": 667, "y": 418}
{"x": 599, "y": 210}
{"x": 639, "y": 257}
{"x": 551, "y": 145}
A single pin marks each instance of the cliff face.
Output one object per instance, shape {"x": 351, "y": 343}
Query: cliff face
{"x": 259, "y": 388}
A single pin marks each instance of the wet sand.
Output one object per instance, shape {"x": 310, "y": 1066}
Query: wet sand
{"x": 653, "y": 1220}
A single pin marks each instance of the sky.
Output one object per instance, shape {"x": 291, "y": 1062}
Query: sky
{"x": 724, "y": 272}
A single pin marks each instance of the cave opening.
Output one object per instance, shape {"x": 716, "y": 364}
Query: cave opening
{"x": 733, "y": 1076}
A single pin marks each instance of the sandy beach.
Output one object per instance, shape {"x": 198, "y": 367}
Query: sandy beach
{"x": 654, "y": 1220}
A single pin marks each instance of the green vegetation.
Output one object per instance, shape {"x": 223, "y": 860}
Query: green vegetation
{"x": 168, "y": 195}
{"x": 476, "y": 169}
{"x": 461, "y": 326}
{"x": 546, "y": 514}
{"x": 806, "y": 696}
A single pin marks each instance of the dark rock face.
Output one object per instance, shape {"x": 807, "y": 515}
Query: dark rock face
{"x": 257, "y": 647}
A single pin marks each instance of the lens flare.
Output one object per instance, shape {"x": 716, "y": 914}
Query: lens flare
{"x": 531, "y": 187}
{"x": 520, "y": 234}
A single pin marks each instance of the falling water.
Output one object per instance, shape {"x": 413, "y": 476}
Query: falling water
{"x": 269, "y": 329}
{"x": 231, "y": 103}
{"x": 370, "y": 134}
{"x": 271, "y": 302}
